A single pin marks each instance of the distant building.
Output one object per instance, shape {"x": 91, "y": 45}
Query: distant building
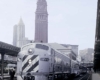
{"x": 19, "y": 38}
{"x": 10, "y": 58}
{"x": 21, "y": 33}
{"x": 86, "y": 55}
{"x": 64, "y": 50}
{"x": 74, "y": 48}
{"x": 79, "y": 58}
{"x": 41, "y": 22}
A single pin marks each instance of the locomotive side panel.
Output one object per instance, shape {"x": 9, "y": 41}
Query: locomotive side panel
{"x": 60, "y": 62}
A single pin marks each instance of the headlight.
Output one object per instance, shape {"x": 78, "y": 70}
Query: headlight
{"x": 30, "y": 51}
{"x": 29, "y": 61}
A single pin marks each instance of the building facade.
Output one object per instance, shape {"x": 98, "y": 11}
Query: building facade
{"x": 41, "y": 22}
{"x": 86, "y": 55}
{"x": 15, "y": 35}
{"x": 21, "y": 33}
{"x": 64, "y": 50}
{"x": 74, "y": 48}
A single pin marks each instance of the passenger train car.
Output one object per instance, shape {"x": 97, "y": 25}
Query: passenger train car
{"x": 39, "y": 61}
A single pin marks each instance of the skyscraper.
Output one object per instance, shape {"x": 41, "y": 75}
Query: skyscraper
{"x": 41, "y": 22}
{"x": 21, "y": 33}
{"x": 15, "y": 35}
{"x": 19, "y": 38}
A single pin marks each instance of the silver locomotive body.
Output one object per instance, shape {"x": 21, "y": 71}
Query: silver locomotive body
{"x": 38, "y": 61}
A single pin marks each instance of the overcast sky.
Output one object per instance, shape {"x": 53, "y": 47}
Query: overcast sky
{"x": 70, "y": 21}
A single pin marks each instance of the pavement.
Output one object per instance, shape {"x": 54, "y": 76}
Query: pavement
{"x": 89, "y": 76}
{"x": 95, "y": 76}
{"x": 6, "y": 77}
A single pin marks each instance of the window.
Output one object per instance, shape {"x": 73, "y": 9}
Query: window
{"x": 40, "y": 46}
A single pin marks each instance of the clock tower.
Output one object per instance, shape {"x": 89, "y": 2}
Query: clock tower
{"x": 41, "y": 22}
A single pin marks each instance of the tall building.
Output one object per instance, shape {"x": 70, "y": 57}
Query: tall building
{"x": 41, "y": 22}
{"x": 86, "y": 55}
{"x": 21, "y": 33}
{"x": 19, "y": 38}
{"x": 15, "y": 35}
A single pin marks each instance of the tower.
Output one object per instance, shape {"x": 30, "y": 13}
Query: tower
{"x": 20, "y": 33}
{"x": 41, "y": 22}
{"x": 21, "y": 30}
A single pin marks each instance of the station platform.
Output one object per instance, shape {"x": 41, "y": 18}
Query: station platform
{"x": 95, "y": 76}
{"x": 6, "y": 77}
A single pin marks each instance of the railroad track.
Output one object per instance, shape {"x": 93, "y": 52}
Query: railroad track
{"x": 86, "y": 77}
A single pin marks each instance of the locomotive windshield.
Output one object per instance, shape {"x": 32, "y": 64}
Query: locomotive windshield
{"x": 40, "y": 46}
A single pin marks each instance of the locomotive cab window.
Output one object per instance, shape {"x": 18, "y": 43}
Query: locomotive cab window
{"x": 40, "y": 46}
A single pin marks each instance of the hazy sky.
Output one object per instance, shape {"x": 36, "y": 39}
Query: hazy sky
{"x": 70, "y": 21}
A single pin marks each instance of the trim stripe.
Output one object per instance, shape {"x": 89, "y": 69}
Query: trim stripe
{"x": 26, "y": 64}
{"x": 32, "y": 63}
{"x": 26, "y": 60}
{"x": 25, "y": 57}
{"x": 36, "y": 68}
{"x": 36, "y": 64}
